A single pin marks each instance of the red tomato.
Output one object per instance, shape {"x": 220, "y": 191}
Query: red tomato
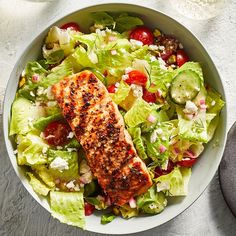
{"x": 71, "y": 25}
{"x": 187, "y": 163}
{"x": 136, "y": 77}
{"x": 88, "y": 209}
{"x": 111, "y": 88}
{"x": 56, "y": 133}
{"x": 142, "y": 34}
{"x": 181, "y": 57}
{"x": 149, "y": 97}
{"x": 159, "y": 172}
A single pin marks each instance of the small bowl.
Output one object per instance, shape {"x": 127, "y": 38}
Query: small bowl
{"x": 207, "y": 165}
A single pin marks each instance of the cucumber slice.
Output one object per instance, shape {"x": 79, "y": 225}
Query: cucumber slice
{"x": 185, "y": 86}
{"x": 99, "y": 75}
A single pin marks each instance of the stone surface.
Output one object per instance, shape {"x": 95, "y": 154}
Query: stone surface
{"x": 21, "y": 21}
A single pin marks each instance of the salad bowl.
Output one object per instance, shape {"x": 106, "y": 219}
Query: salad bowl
{"x": 207, "y": 165}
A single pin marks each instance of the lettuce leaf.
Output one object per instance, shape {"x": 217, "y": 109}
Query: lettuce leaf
{"x": 175, "y": 183}
{"x": 103, "y": 20}
{"x": 135, "y": 133}
{"x": 37, "y": 185}
{"x": 31, "y": 149}
{"x": 121, "y": 93}
{"x": 68, "y": 207}
{"x": 125, "y": 22}
{"x": 152, "y": 202}
{"x": 71, "y": 158}
{"x": 138, "y": 113}
{"x": 214, "y": 102}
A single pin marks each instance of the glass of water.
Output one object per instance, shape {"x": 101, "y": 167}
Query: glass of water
{"x": 199, "y": 9}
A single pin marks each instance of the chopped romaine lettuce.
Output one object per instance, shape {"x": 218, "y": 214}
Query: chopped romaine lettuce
{"x": 121, "y": 93}
{"x": 152, "y": 202}
{"x": 24, "y": 113}
{"x": 103, "y": 20}
{"x": 135, "y": 133}
{"x": 138, "y": 113}
{"x": 214, "y": 102}
{"x": 65, "y": 164}
{"x": 42, "y": 122}
{"x": 175, "y": 183}
{"x": 31, "y": 149}
{"x": 38, "y": 186}
{"x": 68, "y": 207}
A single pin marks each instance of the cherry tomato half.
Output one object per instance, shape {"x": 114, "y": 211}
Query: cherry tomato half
{"x": 149, "y": 97}
{"x": 181, "y": 57}
{"x": 56, "y": 133}
{"x": 111, "y": 88}
{"x": 88, "y": 209}
{"x": 142, "y": 34}
{"x": 159, "y": 172}
{"x": 71, "y": 25}
{"x": 187, "y": 163}
{"x": 136, "y": 77}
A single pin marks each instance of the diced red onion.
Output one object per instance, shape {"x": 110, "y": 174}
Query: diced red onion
{"x": 132, "y": 203}
{"x": 162, "y": 149}
{"x": 108, "y": 201}
{"x": 176, "y": 150}
{"x": 35, "y": 78}
{"x": 190, "y": 154}
{"x": 159, "y": 93}
{"x": 151, "y": 118}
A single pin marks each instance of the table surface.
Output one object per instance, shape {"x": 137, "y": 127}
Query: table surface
{"x": 21, "y": 21}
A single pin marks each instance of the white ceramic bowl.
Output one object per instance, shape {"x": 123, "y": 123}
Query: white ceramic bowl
{"x": 206, "y": 167}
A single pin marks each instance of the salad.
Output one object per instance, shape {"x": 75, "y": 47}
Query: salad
{"x": 168, "y": 110}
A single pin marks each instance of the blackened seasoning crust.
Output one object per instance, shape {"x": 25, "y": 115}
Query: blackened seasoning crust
{"x": 99, "y": 127}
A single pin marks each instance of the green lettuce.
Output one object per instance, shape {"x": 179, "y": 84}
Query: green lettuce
{"x": 34, "y": 68}
{"x": 68, "y": 207}
{"x": 31, "y": 149}
{"x": 152, "y": 202}
{"x": 42, "y": 122}
{"x": 71, "y": 158}
{"x": 121, "y": 93}
{"x": 38, "y": 186}
{"x": 24, "y": 113}
{"x": 214, "y": 102}
{"x": 127, "y": 212}
{"x": 175, "y": 183}
{"x": 138, "y": 113}
{"x": 135, "y": 133}
{"x": 103, "y": 20}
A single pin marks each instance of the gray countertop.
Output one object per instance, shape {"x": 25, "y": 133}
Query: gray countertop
{"x": 21, "y": 21}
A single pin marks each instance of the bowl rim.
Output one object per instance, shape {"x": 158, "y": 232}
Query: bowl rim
{"x": 5, "y": 123}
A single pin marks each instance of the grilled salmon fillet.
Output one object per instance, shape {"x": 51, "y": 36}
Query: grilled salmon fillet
{"x": 99, "y": 127}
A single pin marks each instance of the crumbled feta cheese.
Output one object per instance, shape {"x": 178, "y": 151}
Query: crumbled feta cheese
{"x": 71, "y": 149}
{"x": 123, "y": 50}
{"x": 40, "y": 91}
{"x": 153, "y": 58}
{"x": 51, "y": 103}
{"x": 163, "y": 138}
{"x": 153, "y": 137}
{"x": 101, "y": 32}
{"x": 213, "y": 103}
{"x": 163, "y": 186}
{"x": 70, "y": 184}
{"x": 117, "y": 84}
{"x": 137, "y": 90}
{"x": 49, "y": 93}
{"x": 162, "y": 63}
{"x": 162, "y": 48}
{"x": 59, "y": 164}
{"x": 153, "y": 47}
{"x": 77, "y": 187}
{"x": 15, "y": 152}
{"x": 32, "y": 94}
{"x": 190, "y": 108}
{"x": 128, "y": 69}
{"x": 168, "y": 85}
{"x": 30, "y": 119}
{"x": 86, "y": 178}
{"x": 159, "y": 131}
{"x": 58, "y": 147}
{"x": 70, "y": 135}
{"x": 136, "y": 43}
{"x": 125, "y": 77}
{"x": 44, "y": 150}
{"x": 113, "y": 52}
